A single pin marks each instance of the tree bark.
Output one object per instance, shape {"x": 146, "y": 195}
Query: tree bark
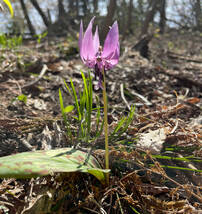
{"x": 61, "y": 10}
{"x": 29, "y": 23}
{"x": 198, "y": 15}
{"x": 108, "y": 19}
{"x": 42, "y": 14}
{"x": 162, "y": 10}
{"x": 149, "y": 16}
{"x": 130, "y": 9}
{"x": 77, "y": 8}
{"x": 85, "y": 7}
{"x": 95, "y": 6}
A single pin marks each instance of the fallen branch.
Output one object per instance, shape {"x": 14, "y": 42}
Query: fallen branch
{"x": 180, "y": 77}
{"x": 123, "y": 97}
{"x": 180, "y": 57}
{"x": 42, "y": 73}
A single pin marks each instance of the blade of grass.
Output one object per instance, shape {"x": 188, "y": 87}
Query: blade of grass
{"x": 119, "y": 125}
{"x": 97, "y": 115}
{"x": 64, "y": 115}
{"x": 88, "y": 90}
{"x": 176, "y": 167}
{"x": 123, "y": 124}
{"x": 69, "y": 90}
{"x": 187, "y": 159}
{"x": 75, "y": 99}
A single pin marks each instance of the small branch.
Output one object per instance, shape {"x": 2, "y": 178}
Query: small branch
{"x": 42, "y": 73}
{"x": 123, "y": 97}
{"x": 185, "y": 80}
{"x": 142, "y": 98}
{"x": 175, "y": 127}
{"x": 121, "y": 209}
{"x": 27, "y": 145}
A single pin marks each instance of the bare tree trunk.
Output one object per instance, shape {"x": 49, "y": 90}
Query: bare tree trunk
{"x": 198, "y": 15}
{"x": 49, "y": 16}
{"x": 29, "y": 23}
{"x": 130, "y": 9}
{"x": 43, "y": 16}
{"x": 123, "y": 19}
{"x": 162, "y": 10}
{"x": 149, "y": 16}
{"x": 95, "y": 6}
{"x": 109, "y": 18}
{"x": 61, "y": 10}
{"x": 71, "y": 4}
{"x": 85, "y": 7}
{"x": 126, "y": 17}
{"x": 77, "y": 8}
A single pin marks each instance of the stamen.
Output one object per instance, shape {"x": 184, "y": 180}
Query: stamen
{"x": 100, "y": 49}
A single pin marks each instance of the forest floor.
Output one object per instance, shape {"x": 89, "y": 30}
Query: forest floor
{"x": 156, "y": 165}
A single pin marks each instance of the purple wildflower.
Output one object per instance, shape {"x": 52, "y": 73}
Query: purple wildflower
{"x": 93, "y": 55}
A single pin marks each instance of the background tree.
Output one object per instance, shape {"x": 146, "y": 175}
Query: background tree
{"x": 42, "y": 14}
{"x": 108, "y": 20}
{"x": 198, "y": 14}
{"x": 153, "y": 6}
{"x": 29, "y": 23}
{"x": 162, "y": 10}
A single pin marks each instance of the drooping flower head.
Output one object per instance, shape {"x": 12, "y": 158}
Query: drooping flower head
{"x": 97, "y": 57}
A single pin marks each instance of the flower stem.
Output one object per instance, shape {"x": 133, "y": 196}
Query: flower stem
{"x": 105, "y": 126}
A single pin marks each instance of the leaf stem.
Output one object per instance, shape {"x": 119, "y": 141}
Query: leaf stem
{"x": 105, "y": 127}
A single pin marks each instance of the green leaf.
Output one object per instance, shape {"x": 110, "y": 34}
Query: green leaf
{"x": 22, "y": 98}
{"x": 68, "y": 109}
{"x": 9, "y": 6}
{"x": 42, "y": 163}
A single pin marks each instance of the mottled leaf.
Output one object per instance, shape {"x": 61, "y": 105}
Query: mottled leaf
{"x": 41, "y": 163}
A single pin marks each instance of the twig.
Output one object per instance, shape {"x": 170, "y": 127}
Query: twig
{"x": 123, "y": 97}
{"x": 27, "y": 145}
{"x": 190, "y": 165}
{"x": 142, "y": 98}
{"x": 175, "y": 127}
{"x": 43, "y": 71}
{"x": 91, "y": 199}
{"x": 93, "y": 211}
{"x": 121, "y": 209}
{"x": 18, "y": 85}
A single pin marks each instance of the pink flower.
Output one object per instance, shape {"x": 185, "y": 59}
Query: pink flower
{"x": 93, "y": 55}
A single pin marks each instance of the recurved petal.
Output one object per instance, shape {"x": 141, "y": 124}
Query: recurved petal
{"x": 96, "y": 40}
{"x": 88, "y": 51}
{"x": 111, "y": 41}
{"x": 112, "y": 60}
{"x": 116, "y": 54}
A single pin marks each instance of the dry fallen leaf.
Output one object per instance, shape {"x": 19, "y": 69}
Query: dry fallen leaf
{"x": 153, "y": 140}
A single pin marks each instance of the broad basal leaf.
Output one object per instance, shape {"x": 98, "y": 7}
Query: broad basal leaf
{"x": 41, "y": 163}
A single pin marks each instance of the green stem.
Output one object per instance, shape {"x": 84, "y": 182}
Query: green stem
{"x": 105, "y": 127}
